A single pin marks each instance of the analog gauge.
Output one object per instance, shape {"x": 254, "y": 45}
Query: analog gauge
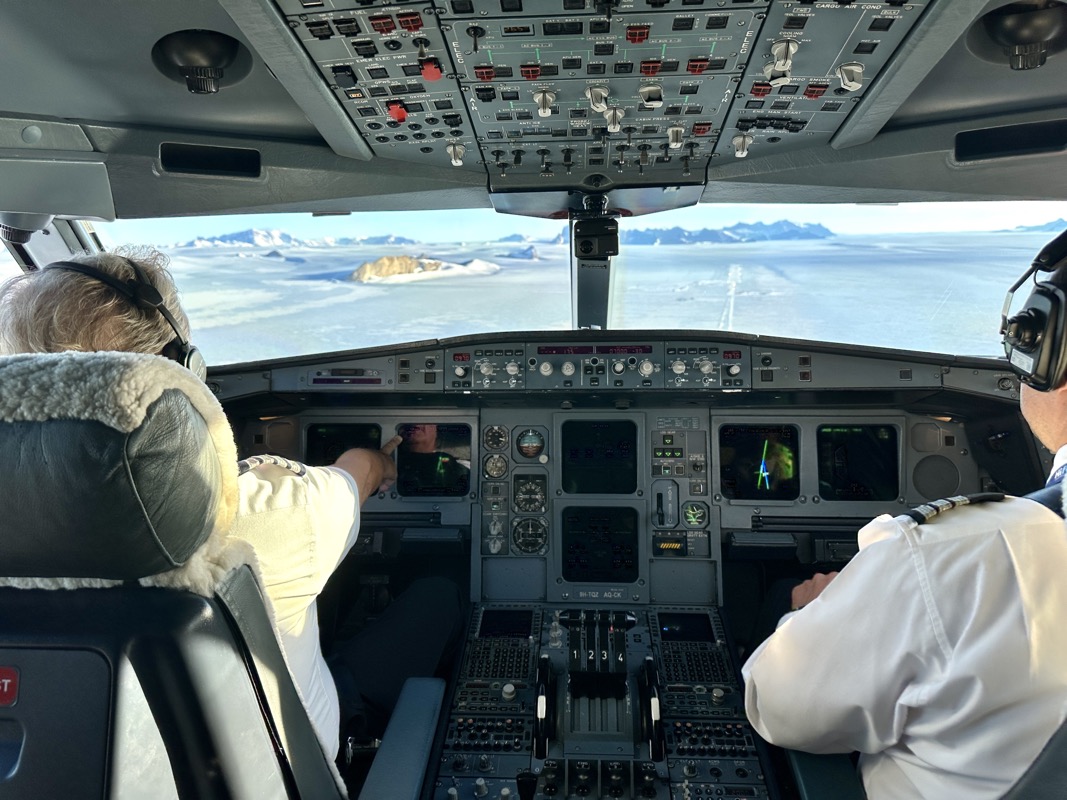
{"x": 530, "y": 535}
{"x": 695, "y": 515}
{"x": 530, "y": 493}
{"x": 495, "y": 466}
{"x": 495, "y": 437}
{"x": 530, "y": 443}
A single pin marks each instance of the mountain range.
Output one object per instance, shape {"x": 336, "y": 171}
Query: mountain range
{"x": 741, "y": 232}
{"x": 1049, "y": 227}
{"x": 256, "y": 237}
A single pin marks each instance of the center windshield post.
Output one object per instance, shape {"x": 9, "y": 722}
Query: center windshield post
{"x": 595, "y": 238}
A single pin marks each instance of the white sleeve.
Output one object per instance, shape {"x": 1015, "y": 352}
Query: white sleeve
{"x": 841, "y": 673}
{"x": 301, "y": 526}
{"x": 334, "y": 505}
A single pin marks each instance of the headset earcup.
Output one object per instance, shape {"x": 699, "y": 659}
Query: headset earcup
{"x": 195, "y": 363}
{"x": 1035, "y": 338}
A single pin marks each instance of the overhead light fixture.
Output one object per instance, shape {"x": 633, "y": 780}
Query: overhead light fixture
{"x": 1028, "y": 31}
{"x": 200, "y": 58}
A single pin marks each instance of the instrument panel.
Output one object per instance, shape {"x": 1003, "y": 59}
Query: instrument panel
{"x": 628, "y": 506}
{"x": 602, "y": 487}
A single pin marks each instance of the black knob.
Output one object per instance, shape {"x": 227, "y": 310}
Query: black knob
{"x": 526, "y": 782}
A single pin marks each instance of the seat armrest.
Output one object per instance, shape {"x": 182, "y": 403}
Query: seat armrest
{"x": 400, "y": 763}
{"x": 821, "y": 776}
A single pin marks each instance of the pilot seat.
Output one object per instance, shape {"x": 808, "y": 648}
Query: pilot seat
{"x": 137, "y": 653}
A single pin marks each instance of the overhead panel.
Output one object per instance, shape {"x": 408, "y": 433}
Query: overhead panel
{"x": 812, "y": 65}
{"x": 594, "y": 95}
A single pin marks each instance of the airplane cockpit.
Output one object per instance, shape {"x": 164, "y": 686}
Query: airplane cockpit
{"x": 666, "y": 299}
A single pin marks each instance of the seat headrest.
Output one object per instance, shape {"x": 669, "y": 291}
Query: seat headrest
{"x": 115, "y": 466}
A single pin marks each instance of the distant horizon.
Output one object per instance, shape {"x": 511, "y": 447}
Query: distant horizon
{"x": 450, "y": 226}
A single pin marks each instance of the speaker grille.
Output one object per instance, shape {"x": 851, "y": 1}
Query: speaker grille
{"x": 935, "y": 477}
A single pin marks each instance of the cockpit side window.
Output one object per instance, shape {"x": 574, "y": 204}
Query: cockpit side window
{"x": 8, "y": 267}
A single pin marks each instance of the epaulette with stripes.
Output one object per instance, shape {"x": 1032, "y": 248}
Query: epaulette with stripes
{"x": 927, "y": 511}
{"x": 255, "y": 461}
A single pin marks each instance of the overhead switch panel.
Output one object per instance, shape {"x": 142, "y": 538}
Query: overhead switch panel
{"x": 587, "y": 95}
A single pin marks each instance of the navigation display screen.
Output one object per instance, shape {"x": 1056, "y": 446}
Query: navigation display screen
{"x": 858, "y": 462}
{"x": 434, "y": 460}
{"x": 325, "y": 442}
{"x": 599, "y": 457}
{"x": 759, "y": 462}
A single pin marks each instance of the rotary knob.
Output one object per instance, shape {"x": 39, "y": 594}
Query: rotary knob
{"x": 646, "y": 368}
{"x": 678, "y": 367}
{"x": 511, "y": 368}
{"x": 567, "y": 368}
{"x": 461, "y": 372}
{"x": 545, "y": 368}
{"x": 733, "y": 370}
{"x": 705, "y": 366}
{"x": 486, "y": 368}
{"x": 598, "y": 97}
{"x": 618, "y": 367}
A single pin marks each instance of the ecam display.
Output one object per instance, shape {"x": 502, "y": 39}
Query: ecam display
{"x": 434, "y": 459}
{"x": 599, "y": 457}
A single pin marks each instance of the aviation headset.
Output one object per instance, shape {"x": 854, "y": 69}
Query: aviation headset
{"x": 143, "y": 294}
{"x": 1035, "y": 339}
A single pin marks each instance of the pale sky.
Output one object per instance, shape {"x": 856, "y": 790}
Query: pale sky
{"x": 478, "y": 225}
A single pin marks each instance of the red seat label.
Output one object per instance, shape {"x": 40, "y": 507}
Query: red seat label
{"x": 9, "y": 686}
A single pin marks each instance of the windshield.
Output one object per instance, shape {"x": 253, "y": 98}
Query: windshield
{"x": 921, "y": 276}
{"x": 8, "y": 267}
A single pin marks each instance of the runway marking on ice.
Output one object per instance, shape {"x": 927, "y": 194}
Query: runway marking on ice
{"x": 733, "y": 278}
{"x": 944, "y": 299}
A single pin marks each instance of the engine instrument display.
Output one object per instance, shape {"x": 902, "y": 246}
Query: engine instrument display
{"x": 599, "y": 457}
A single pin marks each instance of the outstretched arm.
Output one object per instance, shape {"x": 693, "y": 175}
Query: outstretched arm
{"x": 373, "y": 470}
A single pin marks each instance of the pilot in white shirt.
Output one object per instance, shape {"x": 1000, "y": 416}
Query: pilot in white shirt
{"x": 939, "y": 653}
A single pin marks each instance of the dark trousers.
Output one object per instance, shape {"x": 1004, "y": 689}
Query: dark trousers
{"x": 775, "y": 605}
{"x": 416, "y": 635}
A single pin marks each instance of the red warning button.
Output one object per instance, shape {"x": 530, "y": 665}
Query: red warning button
{"x": 9, "y": 686}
